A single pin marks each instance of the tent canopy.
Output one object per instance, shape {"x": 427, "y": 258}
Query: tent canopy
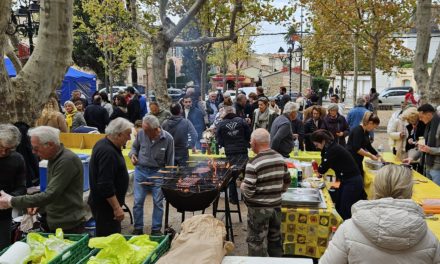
{"x": 10, "y": 68}
{"x": 73, "y": 80}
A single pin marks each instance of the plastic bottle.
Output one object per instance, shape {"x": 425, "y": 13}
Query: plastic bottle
{"x": 294, "y": 177}
{"x": 333, "y": 233}
{"x": 214, "y": 146}
{"x": 296, "y": 147}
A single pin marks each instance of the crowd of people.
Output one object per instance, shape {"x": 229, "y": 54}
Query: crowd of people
{"x": 270, "y": 128}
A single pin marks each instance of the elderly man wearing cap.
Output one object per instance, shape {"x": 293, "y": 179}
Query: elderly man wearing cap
{"x": 336, "y": 124}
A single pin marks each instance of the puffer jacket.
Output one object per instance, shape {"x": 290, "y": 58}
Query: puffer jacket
{"x": 384, "y": 231}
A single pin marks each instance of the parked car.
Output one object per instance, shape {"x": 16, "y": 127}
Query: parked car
{"x": 175, "y": 94}
{"x": 394, "y": 95}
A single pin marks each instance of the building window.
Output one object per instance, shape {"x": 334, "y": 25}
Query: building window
{"x": 406, "y": 83}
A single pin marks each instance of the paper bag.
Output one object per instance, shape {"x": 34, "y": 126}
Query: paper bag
{"x": 202, "y": 240}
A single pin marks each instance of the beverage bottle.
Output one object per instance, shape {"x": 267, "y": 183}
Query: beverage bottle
{"x": 296, "y": 147}
{"x": 333, "y": 233}
{"x": 213, "y": 146}
{"x": 299, "y": 175}
{"x": 315, "y": 166}
{"x": 293, "y": 177}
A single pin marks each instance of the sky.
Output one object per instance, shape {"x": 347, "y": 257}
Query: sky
{"x": 271, "y": 44}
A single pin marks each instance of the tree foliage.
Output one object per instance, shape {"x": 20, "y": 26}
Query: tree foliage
{"x": 372, "y": 23}
{"x": 111, "y": 26}
{"x": 85, "y": 49}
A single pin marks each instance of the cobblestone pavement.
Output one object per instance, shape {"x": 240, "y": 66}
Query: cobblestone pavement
{"x": 240, "y": 231}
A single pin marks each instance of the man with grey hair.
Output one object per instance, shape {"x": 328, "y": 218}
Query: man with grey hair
{"x": 12, "y": 176}
{"x": 266, "y": 178}
{"x": 109, "y": 178}
{"x": 212, "y": 107}
{"x": 152, "y": 149}
{"x": 281, "y": 132}
{"x": 355, "y": 115}
{"x": 233, "y": 133}
{"x": 63, "y": 198}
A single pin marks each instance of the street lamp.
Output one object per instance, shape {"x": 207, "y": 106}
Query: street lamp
{"x": 299, "y": 54}
{"x": 284, "y": 59}
{"x": 21, "y": 21}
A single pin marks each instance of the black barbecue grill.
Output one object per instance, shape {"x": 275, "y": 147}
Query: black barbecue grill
{"x": 195, "y": 187}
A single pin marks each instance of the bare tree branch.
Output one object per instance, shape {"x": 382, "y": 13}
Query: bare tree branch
{"x": 202, "y": 41}
{"x": 186, "y": 18}
{"x": 10, "y": 52}
{"x": 163, "y": 11}
{"x": 209, "y": 40}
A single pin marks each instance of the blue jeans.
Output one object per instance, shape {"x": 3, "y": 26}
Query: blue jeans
{"x": 435, "y": 176}
{"x": 142, "y": 174}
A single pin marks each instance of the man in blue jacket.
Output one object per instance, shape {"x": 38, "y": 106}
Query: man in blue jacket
{"x": 355, "y": 115}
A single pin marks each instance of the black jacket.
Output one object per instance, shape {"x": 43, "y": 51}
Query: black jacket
{"x": 108, "y": 176}
{"x": 358, "y": 139}
{"x": 336, "y": 157}
{"x": 118, "y": 112}
{"x": 96, "y": 116}
{"x": 233, "y": 134}
{"x": 134, "y": 109}
{"x": 12, "y": 178}
{"x": 309, "y": 128}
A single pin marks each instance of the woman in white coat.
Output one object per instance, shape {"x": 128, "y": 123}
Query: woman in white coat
{"x": 397, "y": 133}
{"x": 390, "y": 229}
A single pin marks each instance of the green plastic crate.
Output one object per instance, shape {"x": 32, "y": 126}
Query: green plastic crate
{"x": 72, "y": 254}
{"x": 162, "y": 248}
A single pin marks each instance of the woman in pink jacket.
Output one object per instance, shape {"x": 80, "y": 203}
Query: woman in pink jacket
{"x": 390, "y": 229}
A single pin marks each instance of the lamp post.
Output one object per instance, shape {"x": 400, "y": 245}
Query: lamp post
{"x": 299, "y": 54}
{"x": 289, "y": 57}
{"x": 22, "y": 22}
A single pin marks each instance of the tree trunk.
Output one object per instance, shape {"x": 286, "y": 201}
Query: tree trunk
{"x": 237, "y": 74}
{"x": 203, "y": 57}
{"x": 373, "y": 61}
{"x": 434, "y": 82}
{"x": 355, "y": 69}
{"x": 423, "y": 27}
{"x": 134, "y": 73}
{"x": 225, "y": 68}
{"x": 160, "y": 48}
{"x": 25, "y": 95}
{"x": 341, "y": 90}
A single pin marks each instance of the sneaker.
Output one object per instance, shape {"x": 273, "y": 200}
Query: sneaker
{"x": 156, "y": 233}
{"x": 138, "y": 232}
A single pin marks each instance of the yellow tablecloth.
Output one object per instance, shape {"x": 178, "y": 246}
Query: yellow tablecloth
{"x": 303, "y": 156}
{"x": 306, "y": 231}
{"x": 421, "y": 190}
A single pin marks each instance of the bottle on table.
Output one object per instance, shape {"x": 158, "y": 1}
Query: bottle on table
{"x": 333, "y": 233}
{"x": 296, "y": 147}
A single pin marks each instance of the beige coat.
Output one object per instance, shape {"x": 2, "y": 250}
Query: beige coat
{"x": 387, "y": 231}
{"x": 395, "y": 127}
{"x": 57, "y": 120}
